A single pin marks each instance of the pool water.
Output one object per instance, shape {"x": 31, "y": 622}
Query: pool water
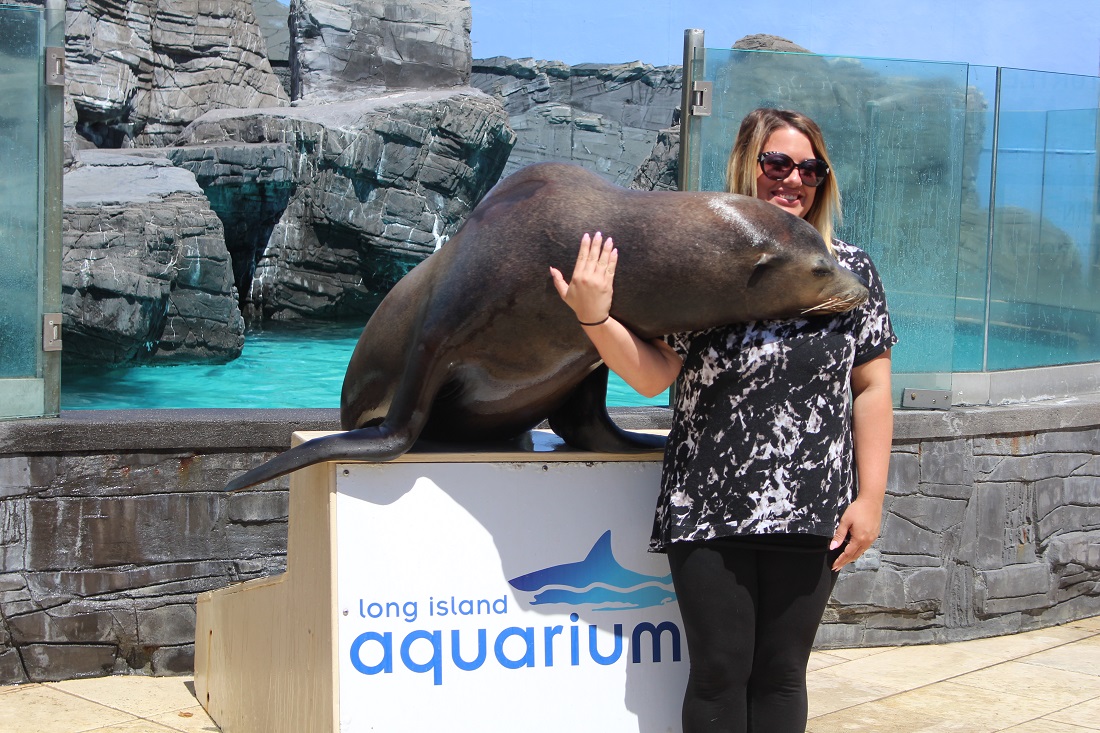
{"x": 286, "y": 365}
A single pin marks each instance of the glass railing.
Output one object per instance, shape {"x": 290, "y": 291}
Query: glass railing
{"x": 30, "y": 208}
{"x": 921, "y": 150}
{"x": 1042, "y": 300}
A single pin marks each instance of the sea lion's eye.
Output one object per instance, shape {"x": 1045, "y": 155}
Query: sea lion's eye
{"x": 823, "y": 268}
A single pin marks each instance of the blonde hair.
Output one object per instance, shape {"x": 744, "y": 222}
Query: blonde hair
{"x": 742, "y": 168}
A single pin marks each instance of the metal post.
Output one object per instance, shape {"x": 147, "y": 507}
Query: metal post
{"x": 693, "y": 50}
{"x": 52, "y": 160}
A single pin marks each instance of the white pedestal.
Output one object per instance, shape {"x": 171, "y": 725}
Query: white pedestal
{"x": 457, "y": 592}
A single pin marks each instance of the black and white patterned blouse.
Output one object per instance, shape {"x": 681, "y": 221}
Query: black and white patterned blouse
{"x": 761, "y": 440}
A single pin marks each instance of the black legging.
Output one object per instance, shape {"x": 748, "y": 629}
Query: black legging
{"x": 750, "y": 617}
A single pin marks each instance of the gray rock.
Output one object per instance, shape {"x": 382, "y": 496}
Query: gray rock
{"x": 947, "y": 462}
{"x": 249, "y": 187}
{"x": 167, "y": 624}
{"x": 348, "y": 196}
{"x": 1032, "y": 468}
{"x": 767, "y": 42}
{"x": 926, "y": 587}
{"x": 11, "y": 667}
{"x": 1026, "y": 445}
{"x": 116, "y": 179}
{"x": 660, "y": 171}
{"x": 145, "y": 273}
{"x": 148, "y": 533}
{"x": 173, "y": 660}
{"x": 273, "y": 18}
{"x": 934, "y": 514}
{"x": 1055, "y": 278}
{"x": 53, "y": 662}
{"x": 901, "y": 536}
{"x": 603, "y": 117}
{"x": 1017, "y": 581}
{"x": 342, "y": 50}
{"x": 1075, "y": 548}
{"x": 904, "y": 476}
{"x": 139, "y": 71}
{"x": 258, "y": 507}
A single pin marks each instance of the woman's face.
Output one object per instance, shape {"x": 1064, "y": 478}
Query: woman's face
{"x": 788, "y": 194}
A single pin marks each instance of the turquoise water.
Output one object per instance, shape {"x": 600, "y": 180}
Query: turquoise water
{"x": 295, "y": 366}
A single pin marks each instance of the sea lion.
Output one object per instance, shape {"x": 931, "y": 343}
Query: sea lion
{"x": 475, "y": 343}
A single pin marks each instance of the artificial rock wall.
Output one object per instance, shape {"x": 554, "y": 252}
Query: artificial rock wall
{"x": 145, "y": 275}
{"x": 323, "y": 206}
{"x": 112, "y": 522}
{"x": 138, "y": 71}
{"x": 604, "y": 117}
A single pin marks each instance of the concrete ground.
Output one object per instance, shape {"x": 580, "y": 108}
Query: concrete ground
{"x": 1045, "y": 681}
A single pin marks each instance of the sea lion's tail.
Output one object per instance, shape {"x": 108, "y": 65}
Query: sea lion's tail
{"x": 364, "y": 444}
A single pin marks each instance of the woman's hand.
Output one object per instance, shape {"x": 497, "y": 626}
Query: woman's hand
{"x": 647, "y": 366}
{"x": 589, "y": 292}
{"x": 859, "y": 525}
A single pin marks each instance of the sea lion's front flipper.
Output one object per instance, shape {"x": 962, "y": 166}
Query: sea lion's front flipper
{"x": 583, "y": 422}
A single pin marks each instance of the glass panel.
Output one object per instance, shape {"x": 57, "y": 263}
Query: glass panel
{"x": 1043, "y": 304}
{"x": 896, "y": 132}
{"x": 20, "y": 81}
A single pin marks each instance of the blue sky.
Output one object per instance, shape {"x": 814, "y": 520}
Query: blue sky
{"x": 1015, "y": 33}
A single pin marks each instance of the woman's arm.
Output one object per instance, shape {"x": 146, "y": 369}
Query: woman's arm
{"x": 872, "y": 435}
{"x": 647, "y": 366}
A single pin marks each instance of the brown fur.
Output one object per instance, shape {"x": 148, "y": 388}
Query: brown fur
{"x": 475, "y": 344}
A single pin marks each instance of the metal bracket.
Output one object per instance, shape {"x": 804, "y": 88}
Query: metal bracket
{"x": 55, "y": 66}
{"x": 51, "y": 332}
{"x": 702, "y": 92}
{"x": 926, "y": 399}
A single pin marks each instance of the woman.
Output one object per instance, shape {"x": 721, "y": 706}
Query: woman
{"x": 776, "y": 424}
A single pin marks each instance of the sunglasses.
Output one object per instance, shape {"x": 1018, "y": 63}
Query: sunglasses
{"x": 778, "y": 166}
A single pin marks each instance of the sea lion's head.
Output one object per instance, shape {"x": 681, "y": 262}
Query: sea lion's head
{"x": 788, "y": 269}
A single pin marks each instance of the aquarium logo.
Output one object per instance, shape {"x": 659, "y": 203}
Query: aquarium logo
{"x": 596, "y": 583}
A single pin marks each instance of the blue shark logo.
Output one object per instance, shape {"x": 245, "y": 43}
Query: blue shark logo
{"x": 598, "y": 581}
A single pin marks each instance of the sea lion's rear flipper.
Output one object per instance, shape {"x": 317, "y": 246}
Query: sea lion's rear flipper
{"x": 364, "y": 444}
{"x": 395, "y": 435}
{"x": 583, "y": 422}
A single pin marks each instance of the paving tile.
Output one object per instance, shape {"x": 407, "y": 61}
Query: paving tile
{"x": 822, "y": 660}
{"x": 191, "y": 720}
{"x": 138, "y": 695}
{"x": 1080, "y": 656}
{"x": 829, "y": 693}
{"x": 943, "y": 707}
{"x": 1046, "y": 725}
{"x": 1059, "y": 686}
{"x": 878, "y": 717}
{"x": 133, "y": 726}
{"x": 1092, "y": 623}
{"x": 42, "y": 709}
{"x": 1012, "y": 646}
{"x": 1085, "y": 715}
{"x": 910, "y": 667}
{"x": 859, "y": 652}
